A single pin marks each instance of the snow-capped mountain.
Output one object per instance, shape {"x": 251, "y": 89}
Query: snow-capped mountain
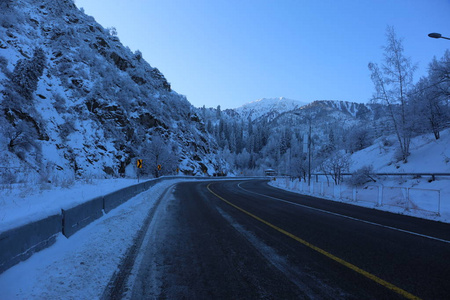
{"x": 76, "y": 102}
{"x": 271, "y": 132}
{"x": 270, "y": 107}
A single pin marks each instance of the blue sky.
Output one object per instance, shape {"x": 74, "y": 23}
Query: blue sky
{"x": 229, "y": 52}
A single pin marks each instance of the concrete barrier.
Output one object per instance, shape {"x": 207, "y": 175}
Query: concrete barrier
{"x": 20, "y": 243}
{"x": 114, "y": 199}
{"x": 75, "y": 218}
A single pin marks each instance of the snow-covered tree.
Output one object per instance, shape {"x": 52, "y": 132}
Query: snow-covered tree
{"x": 358, "y": 138}
{"x": 160, "y": 158}
{"x": 392, "y": 83}
{"x": 430, "y": 97}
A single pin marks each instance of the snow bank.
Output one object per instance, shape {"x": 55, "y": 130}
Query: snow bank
{"x": 428, "y": 155}
{"x": 80, "y": 267}
{"x": 20, "y": 205}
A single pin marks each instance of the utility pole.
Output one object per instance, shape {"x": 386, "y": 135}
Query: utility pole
{"x": 290, "y": 159}
{"x": 309, "y": 154}
{"x": 307, "y": 148}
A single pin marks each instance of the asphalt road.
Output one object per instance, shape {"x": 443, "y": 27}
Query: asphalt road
{"x": 247, "y": 240}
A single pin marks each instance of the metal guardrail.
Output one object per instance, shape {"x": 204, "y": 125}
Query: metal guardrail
{"x": 407, "y": 198}
{"x": 393, "y": 174}
{"x": 433, "y": 175}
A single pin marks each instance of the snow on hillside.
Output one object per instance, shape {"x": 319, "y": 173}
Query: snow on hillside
{"x": 86, "y": 104}
{"x": 427, "y": 198}
{"x": 258, "y": 108}
{"x": 428, "y": 155}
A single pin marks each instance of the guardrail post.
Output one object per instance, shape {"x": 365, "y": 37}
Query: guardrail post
{"x": 439, "y": 202}
{"x": 407, "y": 199}
{"x": 380, "y": 196}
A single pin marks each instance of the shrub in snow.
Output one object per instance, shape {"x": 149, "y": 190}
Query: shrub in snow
{"x": 3, "y": 65}
{"x": 59, "y": 103}
{"x": 399, "y": 155}
{"x": 27, "y": 73}
{"x": 362, "y": 176}
{"x": 63, "y": 180}
{"x": 7, "y": 176}
{"x": 386, "y": 142}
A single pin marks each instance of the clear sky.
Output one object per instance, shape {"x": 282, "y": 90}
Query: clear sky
{"x": 229, "y": 52}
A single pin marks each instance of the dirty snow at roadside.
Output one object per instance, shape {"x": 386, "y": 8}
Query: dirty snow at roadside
{"x": 80, "y": 267}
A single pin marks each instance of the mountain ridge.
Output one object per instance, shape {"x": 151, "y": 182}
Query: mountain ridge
{"x": 274, "y": 106}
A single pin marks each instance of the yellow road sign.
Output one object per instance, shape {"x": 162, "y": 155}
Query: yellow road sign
{"x": 139, "y": 163}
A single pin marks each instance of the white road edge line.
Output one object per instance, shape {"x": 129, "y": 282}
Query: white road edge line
{"x": 348, "y": 217}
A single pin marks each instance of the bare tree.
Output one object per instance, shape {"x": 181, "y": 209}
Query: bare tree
{"x": 392, "y": 83}
{"x": 337, "y": 164}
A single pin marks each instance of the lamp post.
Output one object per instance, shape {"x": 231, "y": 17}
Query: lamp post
{"x": 437, "y": 36}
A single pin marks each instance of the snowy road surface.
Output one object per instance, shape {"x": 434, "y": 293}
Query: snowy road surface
{"x": 241, "y": 240}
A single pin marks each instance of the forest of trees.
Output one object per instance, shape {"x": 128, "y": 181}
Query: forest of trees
{"x": 398, "y": 109}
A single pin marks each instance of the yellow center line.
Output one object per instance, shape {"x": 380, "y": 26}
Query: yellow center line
{"x": 321, "y": 251}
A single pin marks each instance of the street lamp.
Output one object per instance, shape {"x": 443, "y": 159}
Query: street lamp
{"x": 437, "y": 36}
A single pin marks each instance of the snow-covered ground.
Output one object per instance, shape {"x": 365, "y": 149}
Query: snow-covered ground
{"x": 428, "y": 155}
{"x": 80, "y": 267}
{"x": 22, "y": 204}
{"x": 421, "y": 196}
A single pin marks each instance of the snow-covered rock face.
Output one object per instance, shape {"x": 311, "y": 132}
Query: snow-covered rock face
{"x": 270, "y": 107}
{"x": 95, "y": 102}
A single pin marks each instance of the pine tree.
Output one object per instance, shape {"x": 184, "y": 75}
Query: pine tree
{"x": 218, "y": 112}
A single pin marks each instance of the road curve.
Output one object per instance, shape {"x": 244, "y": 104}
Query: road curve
{"x": 247, "y": 240}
